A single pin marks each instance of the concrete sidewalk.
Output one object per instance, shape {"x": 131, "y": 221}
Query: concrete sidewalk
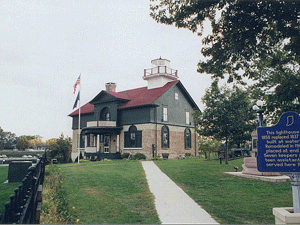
{"x": 173, "y": 205}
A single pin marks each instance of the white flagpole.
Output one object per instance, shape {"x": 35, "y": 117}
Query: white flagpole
{"x": 79, "y": 121}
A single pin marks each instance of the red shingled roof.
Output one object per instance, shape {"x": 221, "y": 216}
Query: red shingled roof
{"x": 136, "y": 97}
{"x": 87, "y": 108}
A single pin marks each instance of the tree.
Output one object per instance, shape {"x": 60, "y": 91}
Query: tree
{"x": 278, "y": 83}
{"x": 8, "y": 140}
{"x": 227, "y": 115}
{"x": 22, "y": 143}
{"x": 61, "y": 149}
{"x": 242, "y": 31}
{"x": 36, "y": 142}
{"x": 207, "y": 145}
{"x": 50, "y": 142}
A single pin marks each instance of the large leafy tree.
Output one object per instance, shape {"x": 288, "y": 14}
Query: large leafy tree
{"x": 23, "y": 143}
{"x": 61, "y": 149}
{"x": 227, "y": 115}
{"x": 8, "y": 140}
{"x": 36, "y": 142}
{"x": 278, "y": 83}
{"x": 208, "y": 145}
{"x": 242, "y": 31}
{"x": 258, "y": 40}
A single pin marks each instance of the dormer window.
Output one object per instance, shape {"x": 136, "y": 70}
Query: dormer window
{"x": 105, "y": 114}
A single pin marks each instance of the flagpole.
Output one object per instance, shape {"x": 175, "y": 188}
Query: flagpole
{"x": 79, "y": 122}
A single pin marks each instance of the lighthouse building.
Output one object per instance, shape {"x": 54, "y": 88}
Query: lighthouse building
{"x": 156, "y": 120}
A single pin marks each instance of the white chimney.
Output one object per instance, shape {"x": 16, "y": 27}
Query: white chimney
{"x": 160, "y": 74}
{"x": 111, "y": 86}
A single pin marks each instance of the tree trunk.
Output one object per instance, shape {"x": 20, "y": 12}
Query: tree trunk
{"x": 226, "y": 151}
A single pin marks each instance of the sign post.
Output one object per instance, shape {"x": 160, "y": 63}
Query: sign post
{"x": 295, "y": 188}
{"x": 278, "y": 150}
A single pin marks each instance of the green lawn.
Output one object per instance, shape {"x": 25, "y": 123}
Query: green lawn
{"x": 5, "y": 189}
{"x": 229, "y": 199}
{"x": 116, "y": 192}
{"x": 107, "y": 192}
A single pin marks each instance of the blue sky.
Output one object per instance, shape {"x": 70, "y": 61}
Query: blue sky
{"x": 45, "y": 45}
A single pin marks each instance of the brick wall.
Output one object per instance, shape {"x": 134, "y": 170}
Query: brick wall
{"x": 152, "y": 135}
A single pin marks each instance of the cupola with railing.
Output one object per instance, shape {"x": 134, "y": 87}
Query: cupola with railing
{"x": 160, "y": 74}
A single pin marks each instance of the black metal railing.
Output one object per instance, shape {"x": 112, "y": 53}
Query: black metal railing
{"x": 25, "y": 205}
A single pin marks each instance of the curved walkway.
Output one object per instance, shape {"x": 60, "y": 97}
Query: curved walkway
{"x": 173, "y": 205}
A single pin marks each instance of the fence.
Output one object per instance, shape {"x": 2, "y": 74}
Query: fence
{"x": 25, "y": 205}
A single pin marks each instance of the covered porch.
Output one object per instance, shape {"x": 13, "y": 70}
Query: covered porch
{"x": 102, "y": 140}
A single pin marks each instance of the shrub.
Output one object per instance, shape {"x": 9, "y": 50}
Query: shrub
{"x": 156, "y": 158}
{"x": 188, "y": 155}
{"x": 125, "y": 155}
{"x": 139, "y": 156}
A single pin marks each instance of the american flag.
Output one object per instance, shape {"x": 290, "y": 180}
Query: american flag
{"x": 76, "y": 83}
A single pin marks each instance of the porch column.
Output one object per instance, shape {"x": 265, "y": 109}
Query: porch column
{"x": 118, "y": 143}
{"x": 85, "y": 142}
{"x": 98, "y": 143}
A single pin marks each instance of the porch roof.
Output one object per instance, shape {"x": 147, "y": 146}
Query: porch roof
{"x": 101, "y": 130}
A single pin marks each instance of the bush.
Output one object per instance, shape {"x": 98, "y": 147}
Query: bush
{"x": 156, "y": 158}
{"x": 125, "y": 155}
{"x": 139, "y": 156}
{"x": 187, "y": 155}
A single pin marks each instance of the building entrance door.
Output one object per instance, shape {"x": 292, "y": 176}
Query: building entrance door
{"x": 106, "y": 143}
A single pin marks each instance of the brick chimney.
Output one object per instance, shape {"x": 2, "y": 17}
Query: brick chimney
{"x": 111, "y": 86}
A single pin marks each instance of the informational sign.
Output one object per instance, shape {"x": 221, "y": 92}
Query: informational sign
{"x": 278, "y": 147}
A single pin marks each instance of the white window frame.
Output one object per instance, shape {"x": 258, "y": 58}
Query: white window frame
{"x": 165, "y": 113}
{"x": 187, "y": 117}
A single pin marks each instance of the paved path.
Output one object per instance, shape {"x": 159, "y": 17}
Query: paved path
{"x": 173, "y": 205}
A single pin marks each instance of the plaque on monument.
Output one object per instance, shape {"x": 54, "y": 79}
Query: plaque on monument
{"x": 278, "y": 147}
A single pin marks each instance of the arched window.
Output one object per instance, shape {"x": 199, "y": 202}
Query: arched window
{"x": 105, "y": 115}
{"x": 133, "y": 138}
{"x": 187, "y": 138}
{"x": 165, "y": 138}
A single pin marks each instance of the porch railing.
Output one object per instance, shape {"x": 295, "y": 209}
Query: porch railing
{"x": 101, "y": 124}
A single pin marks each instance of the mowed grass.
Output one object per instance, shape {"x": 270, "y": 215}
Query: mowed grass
{"x": 6, "y": 189}
{"x": 111, "y": 192}
{"x": 229, "y": 199}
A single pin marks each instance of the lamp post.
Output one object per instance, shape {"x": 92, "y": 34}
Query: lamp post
{"x": 258, "y": 109}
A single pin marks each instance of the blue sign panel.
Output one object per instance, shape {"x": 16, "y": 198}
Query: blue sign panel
{"x": 278, "y": 147}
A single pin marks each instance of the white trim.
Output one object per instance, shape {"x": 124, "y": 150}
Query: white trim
{"x": 98, "y": 143}
{"x": 187, "y": 117}
{"x": 165, "y": 113}
{"x": 118, "y": 143}
{"x": 133, "y": 148}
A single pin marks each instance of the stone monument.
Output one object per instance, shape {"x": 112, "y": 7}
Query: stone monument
{"x": 250, "y": 163}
